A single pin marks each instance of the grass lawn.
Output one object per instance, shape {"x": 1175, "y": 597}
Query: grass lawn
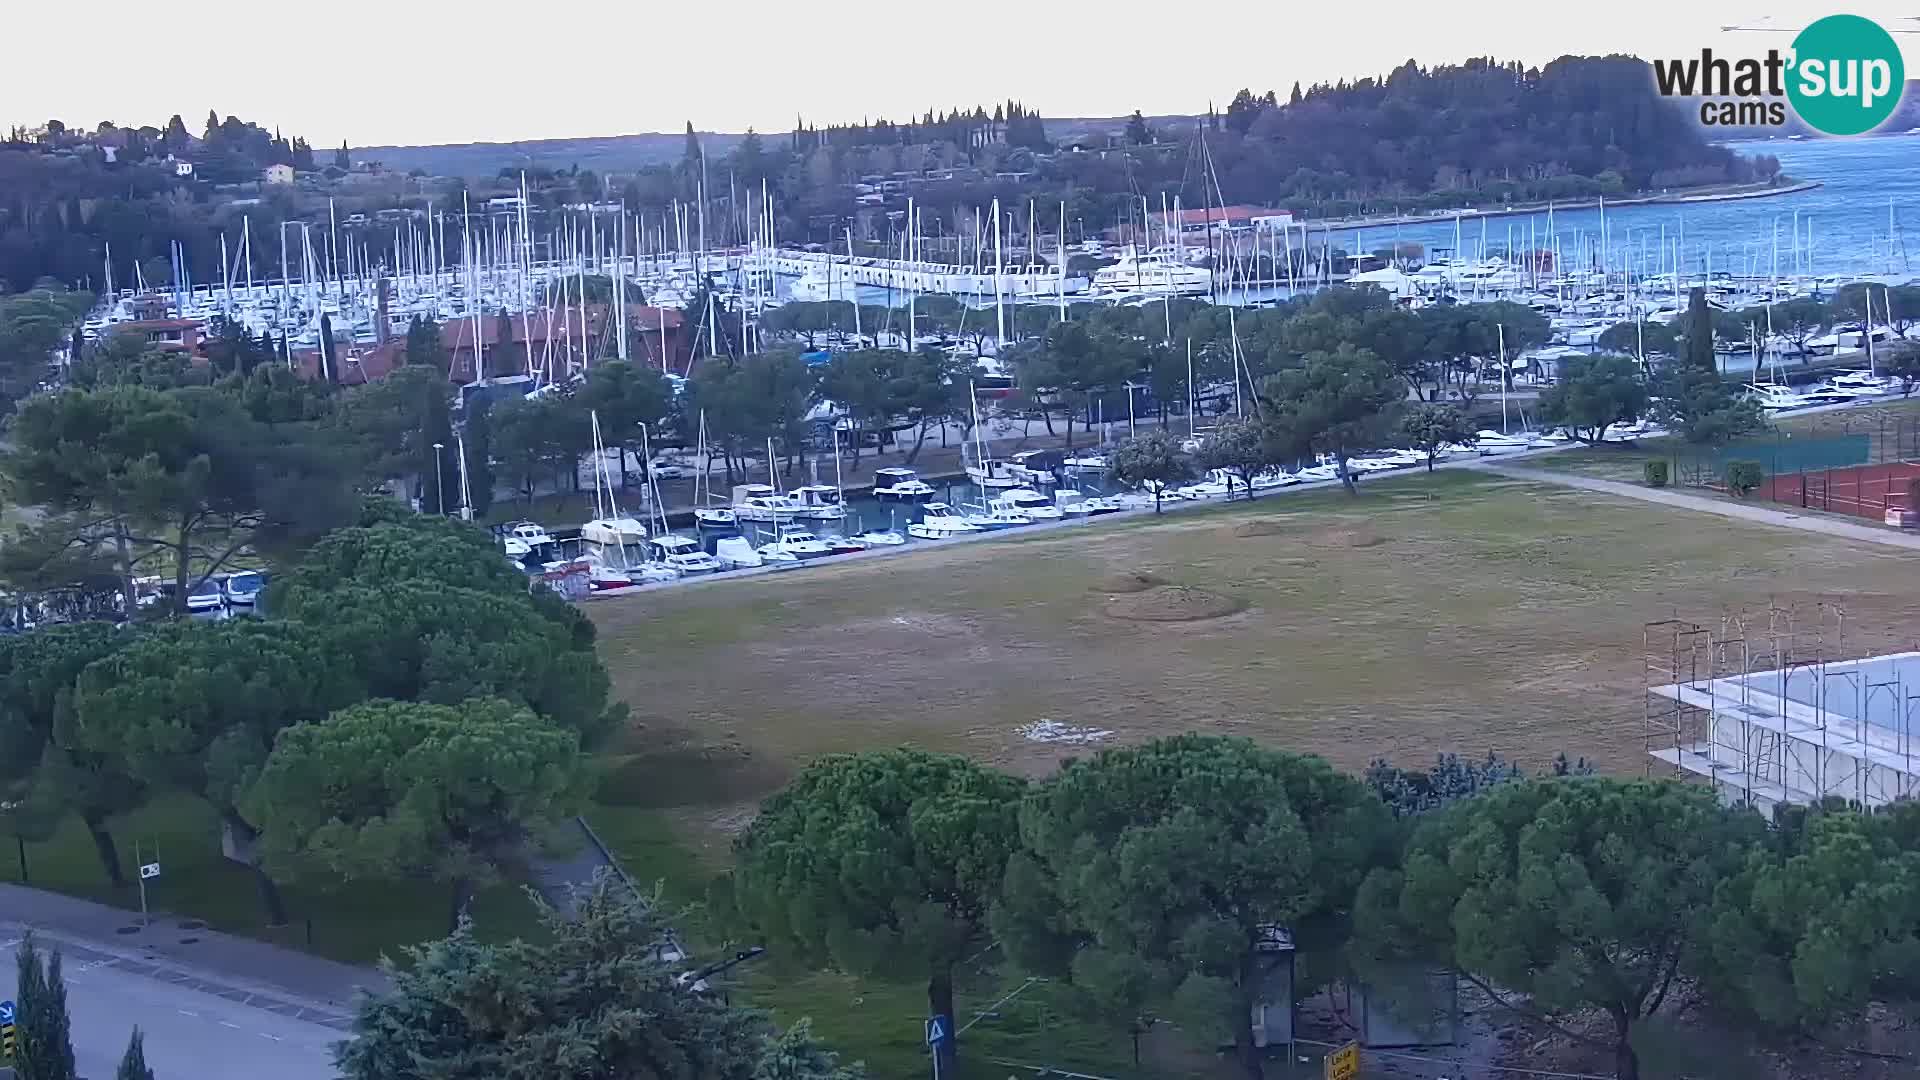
{"x": 1454, "y": 612}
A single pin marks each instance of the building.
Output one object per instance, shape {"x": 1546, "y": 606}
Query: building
{"x": 173, "y": 335}
{"x": 1219, "y": 219}
{"x": 558, "y": 338}
{"x": 278, "y": 174}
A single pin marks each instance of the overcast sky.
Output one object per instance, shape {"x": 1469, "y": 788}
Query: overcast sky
{"x": 380, "y": 72}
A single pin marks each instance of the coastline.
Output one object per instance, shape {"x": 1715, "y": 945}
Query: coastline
{"x": 1681, "y": 197}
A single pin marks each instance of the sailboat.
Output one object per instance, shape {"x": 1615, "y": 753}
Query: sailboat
{"x": 615, "y": 543}
{"x": 983, "y": 470}
{"x": 707, "y": 515}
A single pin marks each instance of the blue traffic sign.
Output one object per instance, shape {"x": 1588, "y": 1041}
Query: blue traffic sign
{"x": 939, "y": 1030}
{"x": 6, "y": 1012}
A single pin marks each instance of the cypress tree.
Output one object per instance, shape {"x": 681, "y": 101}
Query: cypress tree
{"x": 133, "y": 1064}
{"x": 43, "y": 1048}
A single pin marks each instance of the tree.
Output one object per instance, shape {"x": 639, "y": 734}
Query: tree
{"x": 196, "y": 706}
{"x": 451, "y": 793}
{"x": 1152, "y": 460}
{"x": 46, "y": 773}
{"x": 589, "y": 999}
{"x": 1241, "y": 448}
{"x": 43, "y": 1047}
{"x": 1799, "y": 320}
{"x": 1169, "y": 864}
{"x": 881, "y": 861}
{"x": 133, "y": 1064}
{"x": 1698, "y": 405}
{"x": 1581, "y": 894}
{"x": 1071, "y": 365}
{"x": 340, "y": 158}
{"x": 1430, "y": 427}
{"x": 1138, "y": 133}
{"x": 626, "y": 396}
{"x": 1594, "y": 392}
{"x": 1639, "y": 339}
{"x": 1862, "y": 872}
{"x": 424, "y": 346}
{"x": 1334, "y": 403}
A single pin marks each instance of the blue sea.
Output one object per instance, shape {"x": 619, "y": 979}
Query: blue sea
{"x": 1844, "y": 224}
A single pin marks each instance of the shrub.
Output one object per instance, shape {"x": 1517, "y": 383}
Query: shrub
{"x": 1743, "y": 477}
{"x": 1656, "y": 473}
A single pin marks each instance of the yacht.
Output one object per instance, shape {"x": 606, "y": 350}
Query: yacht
{"x": 1155, "y": 273}
{"x": 940, "y": 521}
{"x": 1035, "y": 506}
{"x": 737, "y": 553}
{"x": 758, "y": 502}
{"x": 818, "y": 502}
{"x": 691, "y": 563}
{"x": 994, "y": 474}
{"x": 795, "y": 544}
{"x": 1771, "y": 396}
{"x": 616, "y": 541}
{"x": 990, "y": 518}
{"x": 528, "y": 533}
{"x": 900, "y": 485}
{"x": 1865, "y": 382}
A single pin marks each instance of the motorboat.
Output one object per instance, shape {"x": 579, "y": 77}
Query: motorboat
{"x": 244, "y": 587}
{"x": 1865, "y": 382}
{"x": 759, "y": 502}
{"x": 515, "y": 547}
{"x": 1269, "y": 479}
{"x": 990, "y": 518}
{"x": 939, "y": 522}
{"x": 1034, "y": 505}
{"x": 846, "y": 545}
{"x": 1086, "y": 463}
{"x": 715, "y": 518}
{"x": 653, "y": 573}
{"x": 995, "y": 474}
{"x": 798, "y": 543}
{"x": 882, "y": 538}
{"x": 1491, "y": 439}
{"x": 900, "y": 485}
{"x": 737, "y": 553}
{"x": 818, "y": 502}
{"x": 691, "y": 563}
{"x": 528, "y": 533}
{"x": 1155, "y": 273}
{"x": 1316, "y": 473}
{"x": 664, "y": 547}
{"x": 1771, "y": 396}
{"x": 1105, "y": 504}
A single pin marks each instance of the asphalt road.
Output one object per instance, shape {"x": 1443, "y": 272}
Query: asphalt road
{"x": 201, "y": 1030}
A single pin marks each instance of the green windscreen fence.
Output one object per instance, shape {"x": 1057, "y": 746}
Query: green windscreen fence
{"x": 1783, "y": 453}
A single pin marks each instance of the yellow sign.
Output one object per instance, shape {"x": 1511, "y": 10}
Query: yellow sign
{"x": 6, "y": 1041}
{"x": 1344, "y": 1063}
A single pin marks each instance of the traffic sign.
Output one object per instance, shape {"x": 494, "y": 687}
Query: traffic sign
{"x": 1344, "y": 1063}
{"x": 6, "y": 1012}
{"x": 149, "y": 870}
{"x": 939, "y": 1030}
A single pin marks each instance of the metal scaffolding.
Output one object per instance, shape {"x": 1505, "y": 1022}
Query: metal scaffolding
{"x": 1760, "y": 707}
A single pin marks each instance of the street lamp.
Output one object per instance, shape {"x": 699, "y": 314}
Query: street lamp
{"x": 439, "y": 483}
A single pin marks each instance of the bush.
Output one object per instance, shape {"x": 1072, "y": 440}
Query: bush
{"x": 1656, "y": 473}
{"x": 1743, "y": 477}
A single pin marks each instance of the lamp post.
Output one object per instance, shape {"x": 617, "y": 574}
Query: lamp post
{"x": 439, "y": 482}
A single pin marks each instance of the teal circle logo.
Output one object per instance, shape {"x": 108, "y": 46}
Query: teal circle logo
{"x": 1847, "y": 75}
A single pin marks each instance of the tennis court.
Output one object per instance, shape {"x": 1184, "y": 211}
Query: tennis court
{"x": 1867, "y": 491}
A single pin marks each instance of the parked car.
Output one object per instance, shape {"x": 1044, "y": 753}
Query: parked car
{"x": 244, "y": 587}
{"x": 206, "y": 596}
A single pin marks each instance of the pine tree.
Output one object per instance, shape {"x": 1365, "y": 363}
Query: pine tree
{"x": 44, "y": 1048}
{"x": 340, "y": 158}
{"x": 133, "y": 1064}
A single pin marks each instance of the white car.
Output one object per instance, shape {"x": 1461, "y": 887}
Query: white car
{"x": 206, "y": 596}
{"x": 244, "y": 588}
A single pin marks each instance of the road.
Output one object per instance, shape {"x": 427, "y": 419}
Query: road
{"x": 194, "y": 1027}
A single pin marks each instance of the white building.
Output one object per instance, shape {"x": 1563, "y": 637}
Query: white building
{"x": 278, "y": 174}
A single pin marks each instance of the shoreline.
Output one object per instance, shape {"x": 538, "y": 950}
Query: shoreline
{"x": 1672, "y": 198}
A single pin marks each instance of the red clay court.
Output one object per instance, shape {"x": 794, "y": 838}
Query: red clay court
{"x": 1867, "y": 491}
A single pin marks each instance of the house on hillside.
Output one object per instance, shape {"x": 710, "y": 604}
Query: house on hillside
{"x": 278, "y": 174}
{"x": 558, "y": 339}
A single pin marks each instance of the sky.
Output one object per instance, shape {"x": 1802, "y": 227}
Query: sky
{"x": 404, "y": 72}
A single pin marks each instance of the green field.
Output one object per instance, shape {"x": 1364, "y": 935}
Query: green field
{"x": 1453, "y": 612}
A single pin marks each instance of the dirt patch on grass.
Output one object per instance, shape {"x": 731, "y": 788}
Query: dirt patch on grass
{"x": 1357, "y": 537}
{"x": 1132, "y": 581}
{"x": 1262, "y": 527}
{"x": 1172, "y": 603}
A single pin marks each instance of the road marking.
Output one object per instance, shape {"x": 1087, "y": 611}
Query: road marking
{"x": 185, "y": 1012}
{"x": 264, "y": 1035}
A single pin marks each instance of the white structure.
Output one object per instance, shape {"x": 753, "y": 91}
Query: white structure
{"x": 1761, "y": 714}
{"x": 278, "y": 174}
